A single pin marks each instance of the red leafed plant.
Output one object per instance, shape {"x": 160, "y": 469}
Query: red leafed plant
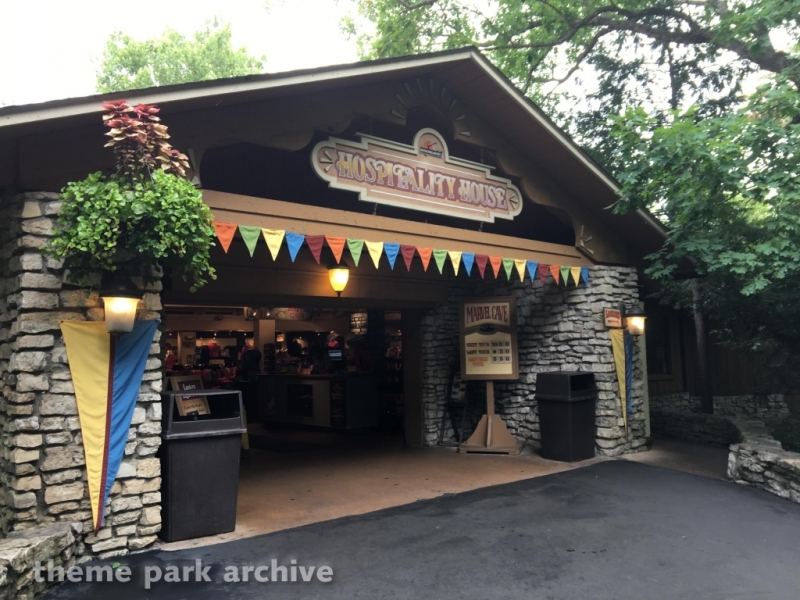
{"x": 139, "y": 140}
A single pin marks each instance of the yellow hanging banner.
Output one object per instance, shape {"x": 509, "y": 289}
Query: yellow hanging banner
{"x": 375, "y": 250}
{"x": 274, "y": 239}
{"x": 618, "y": 347}
{"x": 455, "y": 258}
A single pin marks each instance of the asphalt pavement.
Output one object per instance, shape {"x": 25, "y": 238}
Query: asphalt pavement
{"x": 614, "y": 530}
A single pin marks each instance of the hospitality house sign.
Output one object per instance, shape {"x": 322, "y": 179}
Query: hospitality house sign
{"x": 422, "y": 177}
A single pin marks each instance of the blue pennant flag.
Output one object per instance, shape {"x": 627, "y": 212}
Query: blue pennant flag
{"x": 585, "y": 275}
{"x": 294, "y": 241}
{"x": 468, "y": 258}
{"x": 532, "y": 267}
{"x": 391, "y": 251}
{"x": 628, "y": 370}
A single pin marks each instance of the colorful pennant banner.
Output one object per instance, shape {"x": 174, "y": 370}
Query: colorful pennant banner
{"x": 274, "y": 239}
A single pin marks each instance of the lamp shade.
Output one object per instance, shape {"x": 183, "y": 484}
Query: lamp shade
{"x": 120, "y": 299}
{"x": 339, "y": 275}
{"x": 634, "y": 320}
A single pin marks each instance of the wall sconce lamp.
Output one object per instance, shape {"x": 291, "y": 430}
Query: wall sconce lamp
{"x": 121, "y": 299}
{"x": 339, "y": 275}
{"x": 633, "y": 319}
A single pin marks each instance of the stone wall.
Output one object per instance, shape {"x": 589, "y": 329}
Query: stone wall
{"x": 22, "y": 550}
{"x": 770, "y": 408}
{"x": 42, "y": 470}
{"x": 559, "y": 329}
{"x": 694, "y": 427}
{"x": 760, "y": 461}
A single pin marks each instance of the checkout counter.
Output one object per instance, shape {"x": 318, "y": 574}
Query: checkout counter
{"x": 341, "y": 401}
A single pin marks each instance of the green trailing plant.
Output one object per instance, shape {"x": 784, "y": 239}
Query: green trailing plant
{"x": 147, "y": 211}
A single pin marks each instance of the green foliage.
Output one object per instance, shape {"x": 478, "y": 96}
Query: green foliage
{"x": 162, "y": 222}
{"x": 787, "y": 432}
{"x": 128, "y": 64}
{"x": 147, "y": 210}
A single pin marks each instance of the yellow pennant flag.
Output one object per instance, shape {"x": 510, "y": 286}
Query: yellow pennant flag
{"x": 455, "y": 258}
{"x": 520, "y": 263}
{"x": 375, "y": 250}
{"x": 274, "y": 239}
{"x": 576, "y": 274}
{"x": 618, "y": 348}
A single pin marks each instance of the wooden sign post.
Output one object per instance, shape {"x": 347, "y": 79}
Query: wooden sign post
{"x": 488, "y": 337}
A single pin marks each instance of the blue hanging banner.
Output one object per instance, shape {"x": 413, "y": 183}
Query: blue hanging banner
{"x": 391, "y": 251}
{"x": 585, "y": 275}
{"x": 294, "y": 241}
{"x": 628, "y": 370}
{"x": 468, "y": 258}
{"x": 532, "y": 266}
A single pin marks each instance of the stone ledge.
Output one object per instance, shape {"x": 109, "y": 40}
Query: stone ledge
{"x": 695, "y": 427}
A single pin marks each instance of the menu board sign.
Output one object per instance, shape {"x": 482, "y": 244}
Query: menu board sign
{"x": 488, "y": 336}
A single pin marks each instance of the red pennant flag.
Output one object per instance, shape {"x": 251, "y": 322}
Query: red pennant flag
{"x": 555, "y": 270}
{"x": 408, "y": 254}
{"x": 497, "y": 263}
{"x": 481, "y": 259}
{"x": 336, "y": 244}
{"x": 425, "y": 255}
{"x": 315, "y": 245}
{"x": 543, "y": 270}
{"x": 225, "y": 233}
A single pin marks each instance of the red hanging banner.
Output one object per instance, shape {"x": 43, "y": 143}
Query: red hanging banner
{"x": 425, "y": 255}
{"x": 543, "y": 271}
{"x": 315, "y": 245}
{"x": 336, "y": 244}
{"x": 408, "y": 254}
{"x": 225, "y": 233}
{"x": 481, "y": 260}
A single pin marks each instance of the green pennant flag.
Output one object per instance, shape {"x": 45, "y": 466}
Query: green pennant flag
{"x": 439, "y": 256}
{"x": 355, "y": 247}
{"x": 565, "y": 275}
{"x": 508, "y": 265}
{"x": 250, "y": 236}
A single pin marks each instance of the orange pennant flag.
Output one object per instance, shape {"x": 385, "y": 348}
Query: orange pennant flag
{"x": 336, "y": 245}
{"x": 425, "y": 254}
{"x": 225, "y": 233}
{"x": 497, "y": 263}
{"x": 556, "y": 272}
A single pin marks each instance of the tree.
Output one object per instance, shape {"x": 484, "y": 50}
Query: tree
{"x": 658, "y": 98}
{"x": 129, "y": 64}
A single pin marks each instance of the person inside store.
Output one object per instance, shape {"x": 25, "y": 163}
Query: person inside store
{"x": 171, "y": 358}
{"x": 251, "y": 360}
{"x": 361, "y": 355}
{"x": 320, "y": 360}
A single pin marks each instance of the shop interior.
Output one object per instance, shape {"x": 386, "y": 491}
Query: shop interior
{"x": 300, "y": 370}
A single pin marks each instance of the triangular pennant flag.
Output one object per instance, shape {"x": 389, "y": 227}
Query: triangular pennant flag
{"x": 225, "y": 233}
{"x": 391, "y": 250}
{"x": 455, "y": 258}
{"x": 355, "y": 247}
{"x": 408, "y": 255}
{"x": 274, "y": 239}
{"x": 315, "y": 245}
{"x": 554, "y": 271}
{"x": 468, "y": 258}
{"x": 576, "y": 274}
{"x": 543, "y": 271}
{"x": 106, "y": 374}
{"x": 520, "y": 264}
{"x": 375, "y": 250}
{"x": 508, "y": 265}
{"x": 294, "y": 241}
{"x": 565, "y": 275}
{"x": 425, "y": 257}
{"x": 439, "y": 256}
{"x": 250, "y": 236}
{"x": 585, "y": 274}
{"x": 481, "y": 259}
{"x": 336, "y": 244}
{"x": 532, "y": 266}
{"x": 496, "y": 263}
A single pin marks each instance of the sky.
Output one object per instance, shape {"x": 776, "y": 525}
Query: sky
{"x": 51, "y": 49}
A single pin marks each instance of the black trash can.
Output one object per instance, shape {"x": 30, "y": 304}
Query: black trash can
{"x": 566, "y": 401}
{"x": 200, "y": 463}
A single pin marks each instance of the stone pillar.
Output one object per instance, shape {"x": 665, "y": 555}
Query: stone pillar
{"x": 559, "y": 328}
{"x": 42, "y": 461}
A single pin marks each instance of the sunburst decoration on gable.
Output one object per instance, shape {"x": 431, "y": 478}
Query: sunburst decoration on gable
{"x": 425, "y": 89}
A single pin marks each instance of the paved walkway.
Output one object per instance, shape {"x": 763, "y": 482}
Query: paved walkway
{"x": 613, "y": 530}
{"x": 708, "y": 460}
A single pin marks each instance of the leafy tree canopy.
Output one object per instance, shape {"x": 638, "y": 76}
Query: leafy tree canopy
{"x": 129, "y": 64}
